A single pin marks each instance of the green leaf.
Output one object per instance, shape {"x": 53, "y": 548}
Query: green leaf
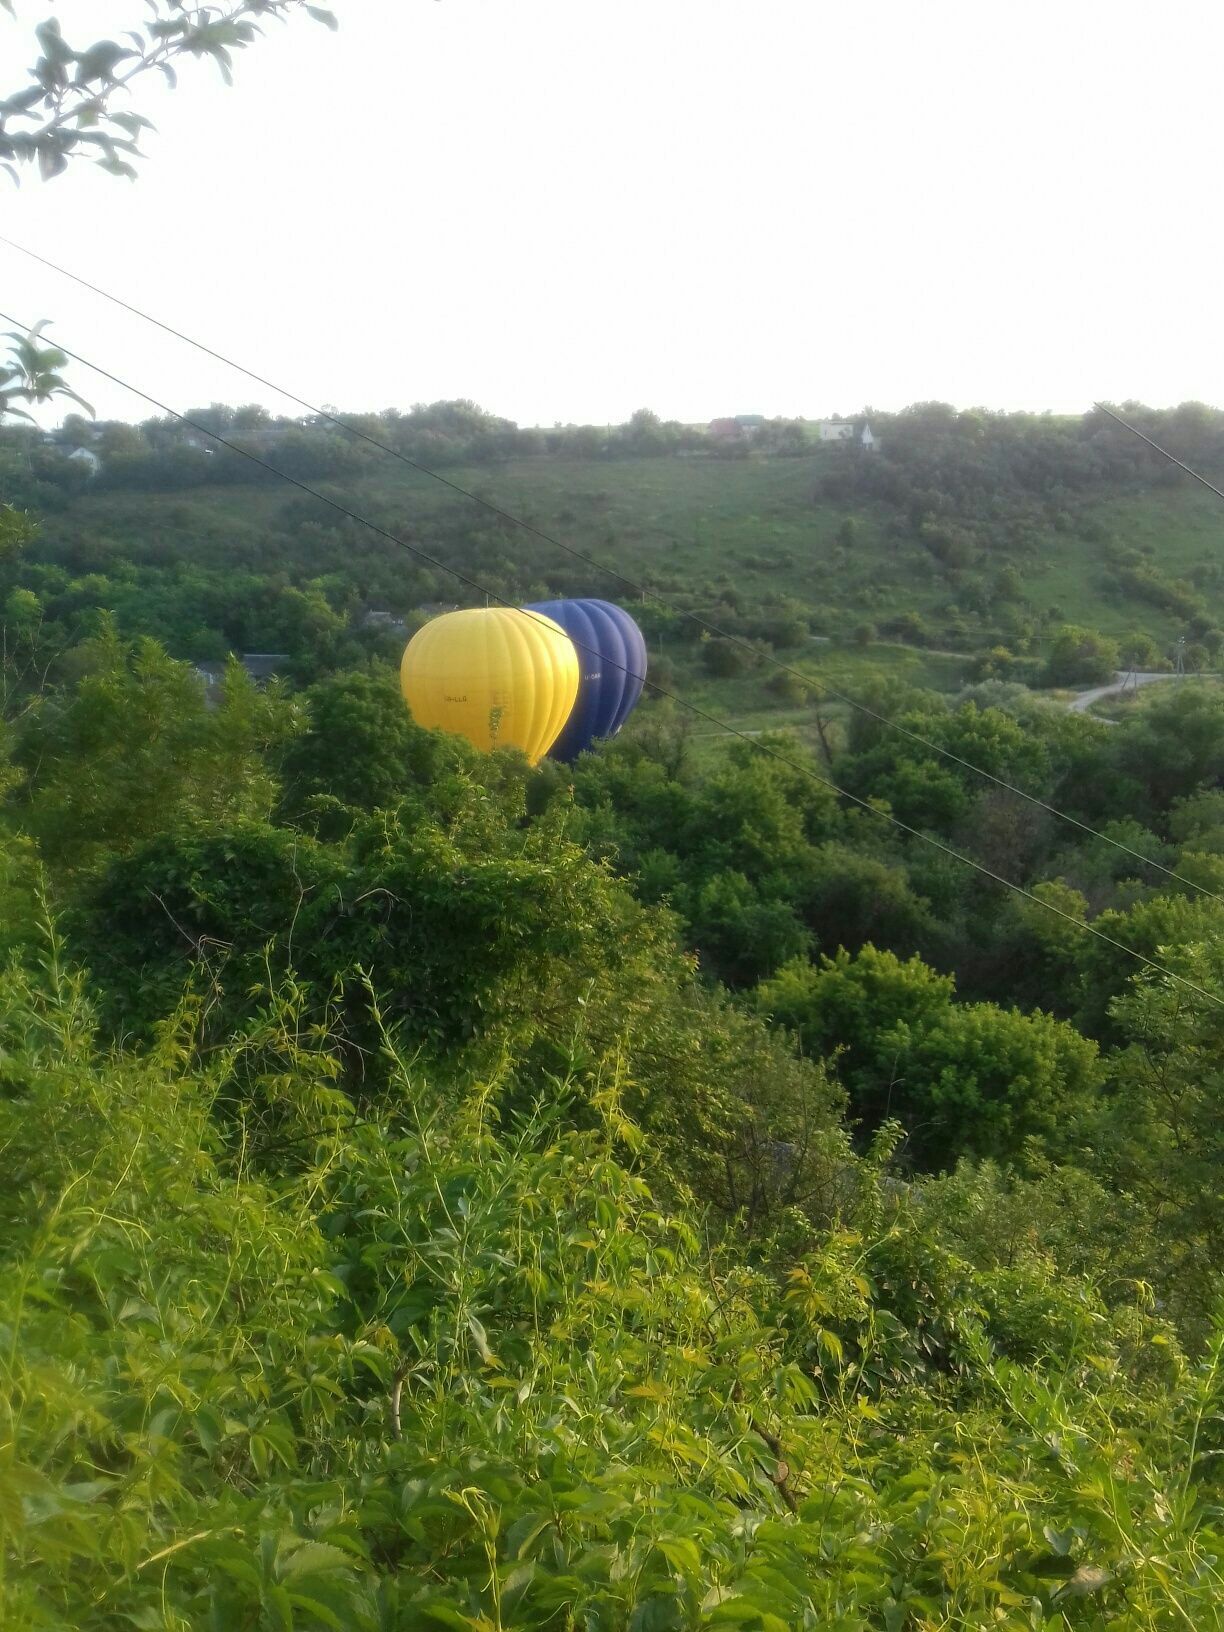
{"x": 87, "y": 1490}
{"x": 450, "y": 1616}
{"x": 481, "y": 1340}
{"x": 64, "y": 391}
{"x": 321, "y": 1611}
{"x": 21, "y": 101}
{"x": 100, "y": 60}
{"x": 830, "y": 1343}
{"x": 654, "y": 1614}
{"x": 373, "y": 1359}
{"x": 524, "y": 1531}
{"x": 257, "y": 1450}
{"x": 132, "y": 122}
{"x": 51, "y": 162}
{"x": 736, "y": 1611}
{"x": 209, "y": 1429}
{"x": 162, "y": 1424}
{"x": 279, "y": 1605}
{"x": 233, "y": 1560}
{"x": 1061, "y": 1541}
{"x": 313, "y": 1558}
{"x": 681, "y": 1553}
{"x": 116, "y": 167}
{"x": 322, "y": 15}
{"x": 55, "y": 48}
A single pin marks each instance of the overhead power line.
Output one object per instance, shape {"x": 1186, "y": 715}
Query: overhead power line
{"x": 681, "y": 702}
{"x": 1164, "y": 452}
{"x": 821, "y": 688}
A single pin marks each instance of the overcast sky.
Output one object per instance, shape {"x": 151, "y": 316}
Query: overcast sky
{"x": 568, "y": 209}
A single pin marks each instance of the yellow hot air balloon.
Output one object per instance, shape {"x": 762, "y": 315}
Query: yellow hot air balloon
{"x": 497, "y": 676}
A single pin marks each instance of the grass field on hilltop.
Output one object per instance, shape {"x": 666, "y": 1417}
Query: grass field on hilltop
{"x": 762, "y": 525}
{"x": 728, "y": 539}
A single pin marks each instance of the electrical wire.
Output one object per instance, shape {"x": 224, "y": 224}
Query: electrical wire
{"x": 1143, "y": 437}
{"x": 693, "y": 708}
{"x": 821, "y": 688}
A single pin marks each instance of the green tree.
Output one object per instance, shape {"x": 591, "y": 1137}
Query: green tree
{"x": 986, "y": 1079}
{"x": 484, "y": 946}
{"x": 1008, "y": 585}
{"x": 644, "y": 433}
{"x": 1197, "y": 822}
{"x": 1173, "y": 745}
{"x": 740, "y": 936}
{"x": 961, "y": 1077}
{"x": 927, "y": 789}
{"x": 134, "y": 747}
{"x": 788, "y": 688}
{"x": 1161, "y": 1135}
{"x": 757, "y": 816}
{"x": 726, "y": 659}
{"x": 1156, "y": 927}
{"x": 848, "y": 898}
{"x": 359, "y": 745}
{"x": 785, "y": 623}
{"x": 910, "y": 627}
{"x": 1139, "y": 651}
{"x": 1080, "y": 657}
{"x": 848, "y": 1001}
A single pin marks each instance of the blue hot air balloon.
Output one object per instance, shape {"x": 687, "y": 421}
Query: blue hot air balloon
{"x": 612, "y": 667}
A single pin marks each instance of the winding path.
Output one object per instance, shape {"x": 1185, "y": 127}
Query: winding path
{"x": 1083, "y": 701}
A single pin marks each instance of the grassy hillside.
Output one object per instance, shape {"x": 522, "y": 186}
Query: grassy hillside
{"x": 841, "y": 587}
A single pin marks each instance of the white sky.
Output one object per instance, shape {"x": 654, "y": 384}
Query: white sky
{"x": 568, "y": 209}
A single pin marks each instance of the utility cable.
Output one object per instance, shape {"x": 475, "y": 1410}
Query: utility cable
{"x": 1143, "y": 437}
{"x": 681, "y": 702}
{"x": 821, "y": 688}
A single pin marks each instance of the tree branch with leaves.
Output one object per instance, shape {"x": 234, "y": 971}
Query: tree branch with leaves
{"x": 32, "y": 374}
{"x": 68, "y": 110}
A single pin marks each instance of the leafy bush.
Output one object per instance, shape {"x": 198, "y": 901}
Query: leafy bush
{"x": 962, "y": 1077}
{"x": 426, "y": 1372}
{"x": 1079, "y": 657}
{"x": 725, "y": 658}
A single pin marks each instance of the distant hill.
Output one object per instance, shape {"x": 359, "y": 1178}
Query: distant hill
{"x": 961, "y": 537}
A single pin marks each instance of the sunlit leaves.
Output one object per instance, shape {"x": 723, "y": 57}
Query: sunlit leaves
{"x": 200, "y": 1352}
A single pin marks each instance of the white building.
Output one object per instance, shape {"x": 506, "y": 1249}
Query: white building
{"x": 88, "y": 458}
{"x": 389, "y": 621}
{"x": 843, "y": 430}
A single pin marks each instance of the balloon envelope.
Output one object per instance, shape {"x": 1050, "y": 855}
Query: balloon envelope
{"x": 495, "y": 675}
{"x": 612, "y": 664}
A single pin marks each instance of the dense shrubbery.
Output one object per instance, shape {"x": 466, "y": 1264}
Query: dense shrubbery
{"x": 646, "y": 1193}
{"x": 275, "y": 1363}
